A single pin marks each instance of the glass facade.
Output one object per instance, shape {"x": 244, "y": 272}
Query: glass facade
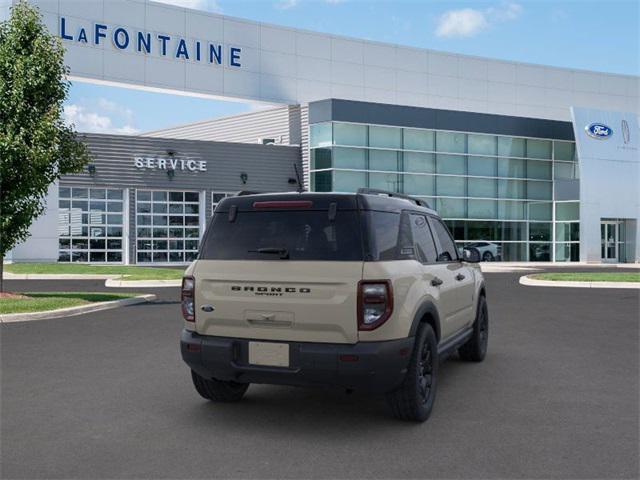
{"x": 167, "y": 226}
{"x": 493, "y": 189}
{"x": 90, "y": 225}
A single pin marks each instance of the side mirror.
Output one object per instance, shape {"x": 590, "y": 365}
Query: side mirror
{"x": 471, "y": 255}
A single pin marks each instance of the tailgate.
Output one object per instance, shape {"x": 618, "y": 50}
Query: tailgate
{"x": 306, "y": 301}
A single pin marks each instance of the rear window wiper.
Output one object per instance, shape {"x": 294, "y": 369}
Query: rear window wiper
{"x": 283, "y": 252}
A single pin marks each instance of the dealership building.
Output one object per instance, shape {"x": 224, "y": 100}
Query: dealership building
{"x": 529, "y": 162}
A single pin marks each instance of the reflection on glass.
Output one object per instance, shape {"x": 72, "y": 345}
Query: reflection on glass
{"x": 348, "y": 181}
{"x": 385, "y": 137}
{"x": 419, "y": 162}
{"x": 383, "y": 160}
{"x": 451, "y": 164}
{"x": 350, "y": 158}
{"x": 451, "y": 142}
{"x": 415, "y": 139}
{"x": 483, "y": 144}
{"x": 320, "y": 134}
{"x": 350, "y": 134}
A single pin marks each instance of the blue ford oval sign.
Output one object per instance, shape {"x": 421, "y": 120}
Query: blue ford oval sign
{"x": 599, "y": 131}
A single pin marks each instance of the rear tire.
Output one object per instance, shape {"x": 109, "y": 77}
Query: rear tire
{"x": 488, "y": 257}
{"x": 475, "y": 349}
{"x": 217, "y": 390}
{"x": 414, "y": 399}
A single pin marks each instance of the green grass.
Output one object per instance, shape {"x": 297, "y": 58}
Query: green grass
{"x": 589, "y": 276}
{"x": 43, "y": 301}
{"x": 129, "y": 272}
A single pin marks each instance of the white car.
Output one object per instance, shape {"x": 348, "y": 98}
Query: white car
{"x": 489, "y": 252}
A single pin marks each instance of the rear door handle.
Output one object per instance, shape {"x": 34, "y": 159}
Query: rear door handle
{"x": 436, "y": 282}
{"x": 460, "y": 277}
{"x": 207, "y": 308}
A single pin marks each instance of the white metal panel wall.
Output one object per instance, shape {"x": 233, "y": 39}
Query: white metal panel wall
{"x": 292, "y": 66}
{"x": 609, "y": 176}
{"x": 5, "y": 6}
{"x": 281, "y": 124}
{"x": 42, "y": 243}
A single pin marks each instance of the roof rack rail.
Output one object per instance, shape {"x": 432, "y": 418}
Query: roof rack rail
{"x": 375, "y": 191}
{"x": 242, "y": 193}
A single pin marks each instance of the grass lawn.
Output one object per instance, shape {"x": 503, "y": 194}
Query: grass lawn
{"x": 42, "y": 301}
{"x": 129, "y": 272}
{"x": 589, "y": 276}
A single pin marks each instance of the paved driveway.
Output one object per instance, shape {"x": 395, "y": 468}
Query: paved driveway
{"x": 106, "y": 395}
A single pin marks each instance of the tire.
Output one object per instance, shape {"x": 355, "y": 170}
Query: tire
{"x": 413, "y": 399}
{"x": 475, "y": 349}
{"x": 217, "y": 390}
{"x": 488, "y": 257}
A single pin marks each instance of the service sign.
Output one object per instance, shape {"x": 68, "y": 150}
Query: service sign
{"x": 171, "y": 163}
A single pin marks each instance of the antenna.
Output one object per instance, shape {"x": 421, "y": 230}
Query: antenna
{"x": 300, "y": 186}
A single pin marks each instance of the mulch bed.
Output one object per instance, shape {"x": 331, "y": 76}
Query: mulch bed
{"x": 12, "y": 295}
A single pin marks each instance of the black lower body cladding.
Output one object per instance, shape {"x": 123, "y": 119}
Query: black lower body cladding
{"x": 375, "y": 367}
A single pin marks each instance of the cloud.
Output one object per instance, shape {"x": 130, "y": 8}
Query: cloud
{"x": 286, "y": 4}
{"x": 104, "y": 117}
{"x": 467, "y": 22}
{"x": 334, "y": 2}
{"x": 207, "y": 5}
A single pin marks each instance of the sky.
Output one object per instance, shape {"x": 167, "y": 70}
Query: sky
{"x": 601, "y": 35}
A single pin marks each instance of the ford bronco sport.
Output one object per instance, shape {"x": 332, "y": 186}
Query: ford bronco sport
{"x": 361, "y": 291}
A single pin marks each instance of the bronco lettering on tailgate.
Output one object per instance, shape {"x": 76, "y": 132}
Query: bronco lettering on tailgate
{"x": 270, "y": 291}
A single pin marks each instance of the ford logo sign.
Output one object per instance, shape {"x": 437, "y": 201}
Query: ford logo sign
{"x": 599, "y": 131}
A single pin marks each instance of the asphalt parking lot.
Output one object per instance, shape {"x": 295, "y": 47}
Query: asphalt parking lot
{"x": 106, "y": 395}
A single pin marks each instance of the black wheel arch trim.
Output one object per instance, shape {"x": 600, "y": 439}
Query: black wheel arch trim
{"x": 427, "y": 308}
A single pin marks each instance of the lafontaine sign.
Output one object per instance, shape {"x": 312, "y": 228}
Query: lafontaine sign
{"x": 160, "y": 44}
{"x": 172, "y": 163}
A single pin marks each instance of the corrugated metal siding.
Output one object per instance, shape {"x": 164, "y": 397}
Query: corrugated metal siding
{"x": 268, "y": 166}
{"x": 281, "y": 124}
{"x": 304, "y": 145}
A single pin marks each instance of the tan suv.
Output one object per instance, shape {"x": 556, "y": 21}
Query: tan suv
{"x": 361, "y": 291}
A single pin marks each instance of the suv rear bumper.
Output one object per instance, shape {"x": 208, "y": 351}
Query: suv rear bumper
{"x": 368, "y": 366}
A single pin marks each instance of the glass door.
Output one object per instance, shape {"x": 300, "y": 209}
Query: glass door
{"x": 609, "y": 241}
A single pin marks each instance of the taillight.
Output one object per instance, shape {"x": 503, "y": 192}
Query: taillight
{"x": 188, "y": 304}
{"x": 375, "y": 303}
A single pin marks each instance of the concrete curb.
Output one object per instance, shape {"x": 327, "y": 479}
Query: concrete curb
{"x": 112, "y": 281}
{"x": 493, "y": 268}
{"x": 71, "y": 311}
{"x": 532, "y": 282}
{"x": 116, "y": 283}
{"x": 60, "y": 276}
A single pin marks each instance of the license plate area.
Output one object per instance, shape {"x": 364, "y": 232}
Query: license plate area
{"x": 269, "y": 354}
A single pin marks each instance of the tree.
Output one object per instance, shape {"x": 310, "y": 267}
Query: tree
{"x": 36, "y": 147}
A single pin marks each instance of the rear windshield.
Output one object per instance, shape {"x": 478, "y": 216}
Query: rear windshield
{"x": 278, "y": 235}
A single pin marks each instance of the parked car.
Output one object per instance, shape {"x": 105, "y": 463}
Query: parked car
{"x": 489, "y": 251}
{"x": 360, "y": 291}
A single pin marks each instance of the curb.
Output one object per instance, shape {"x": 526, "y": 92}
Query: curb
{"x": 60, "y": 276}
{"x": 489, "y": 268}
{"x": 532, "y": 282}
{"x": 71, "y": 311}
{"x": 112, "y": 281}
{"x": 116, "y": 283}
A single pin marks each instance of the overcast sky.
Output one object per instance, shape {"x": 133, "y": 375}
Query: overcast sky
{"x": 600, "y": 35}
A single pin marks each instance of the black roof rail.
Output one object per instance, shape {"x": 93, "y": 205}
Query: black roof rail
{"x": 375, "y": 191}
{"x": 242, "y": 193}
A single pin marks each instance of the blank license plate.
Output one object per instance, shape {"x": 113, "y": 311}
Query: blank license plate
{"x": 269, "y": 354}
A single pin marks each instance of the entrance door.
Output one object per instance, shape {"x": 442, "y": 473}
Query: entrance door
{"x": 609, "y": 241}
